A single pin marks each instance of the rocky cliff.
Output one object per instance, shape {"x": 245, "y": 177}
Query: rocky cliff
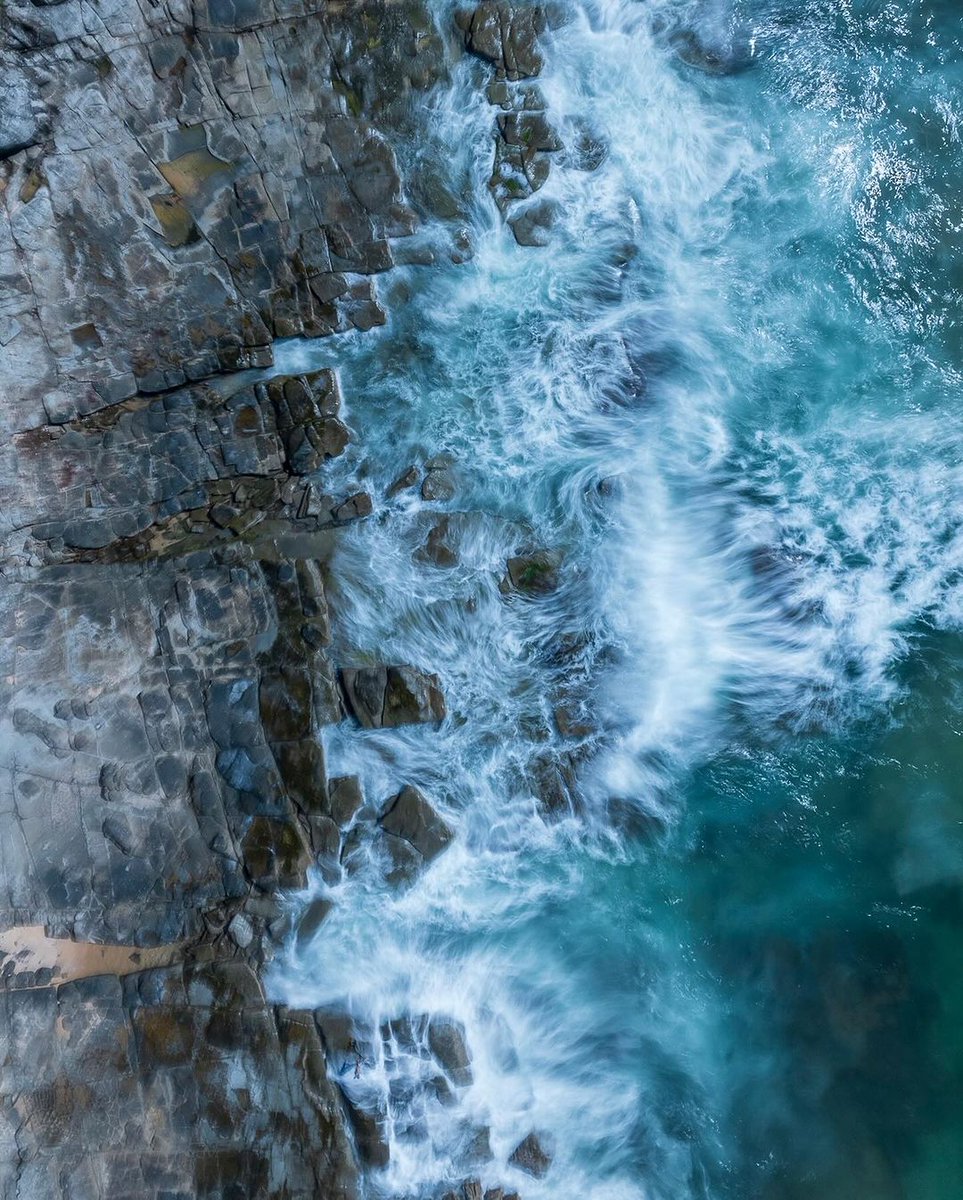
{"x": 183, "y": 183}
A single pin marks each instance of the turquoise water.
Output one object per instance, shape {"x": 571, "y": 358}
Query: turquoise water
{"x": 729, "y": 393}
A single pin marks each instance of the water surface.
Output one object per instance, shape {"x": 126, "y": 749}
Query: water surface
{"x": 728, "y": 393}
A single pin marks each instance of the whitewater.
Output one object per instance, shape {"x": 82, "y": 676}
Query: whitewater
{"x": 727, "y": 395}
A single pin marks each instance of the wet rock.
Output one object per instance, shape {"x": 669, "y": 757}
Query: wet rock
{"x": 344, "y": 799}
{"x": 371, "y": 1135}
{"x": 275, "y": 853}
{"x": 313, "y": 918}
{"x": 552, "y": 779}
{"x": 533, "y": 1155}
{"x": 437, "y": 549}
{"x": 477, "y": 1147}
{"x": 438, "y": 484}
{"x": 571, "y": 722}
{"x": 406, "y": 480}
{"x": 412, "y": 697}
{"x": 441, "y": 1089}
{"x": 533, "y": 226}
{"x": 354, "y": 508}
{"x": 285, "y": 705}
{"x": 404, "y": 864}
{"x": 446, "y": 1040}
{"x": 471, "y": 1189}
{"x": 411, "y": 817}
{"x": 363, "y": 689}
{"x": 535, "y": 574}
{"x": 506, "y": 35}
{"x": 529, "y": 130}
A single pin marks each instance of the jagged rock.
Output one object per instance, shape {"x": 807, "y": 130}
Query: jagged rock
{"x": 404, "y": 861}
{"x": 535, "y": 574}
{"x": 22, "y": 121}
{"x": 391, "y": 696}
{"x": 438, "y": 484}
{"x": 190, "y": 203}
{"x": 532, "y": 1155}
{"x": 354, "y": 508}
{"x": 411, "y": 817}
{"x": 446, "y": 1040}
{"x": 241, "y": 931}
{"x": 407, "y": 479}
{"x": 529, "y": 130}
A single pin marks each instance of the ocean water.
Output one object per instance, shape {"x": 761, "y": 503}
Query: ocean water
{"x": 728, "y": 393}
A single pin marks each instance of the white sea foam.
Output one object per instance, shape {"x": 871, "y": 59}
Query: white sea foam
{"x": 757, "y": 558}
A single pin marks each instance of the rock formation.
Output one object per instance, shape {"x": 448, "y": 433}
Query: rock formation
{"x": 181, "y": 184}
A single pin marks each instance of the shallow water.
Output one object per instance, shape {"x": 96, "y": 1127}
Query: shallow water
{"x": 728, "y": 393}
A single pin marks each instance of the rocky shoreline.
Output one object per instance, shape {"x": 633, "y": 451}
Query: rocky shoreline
{"x": 183, "y": 184}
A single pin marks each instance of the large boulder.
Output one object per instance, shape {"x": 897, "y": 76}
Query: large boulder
{"x": 387, "y": 697}
{"x": 505, "y": 35}
{"x": 412, "y": 697}
{"x": 411, "y": 817}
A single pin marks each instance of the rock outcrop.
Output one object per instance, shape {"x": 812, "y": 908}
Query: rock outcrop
{"x": 181, "y": 184}
{"x": 506, "y": 36}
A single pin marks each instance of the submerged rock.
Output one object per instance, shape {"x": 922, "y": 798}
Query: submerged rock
{"x": 313, "y": 918}
{"x": 533, "y": 1155}
{"x": 437, "y": 549}
{"x": 535, "y": 574}
{"x": 722, "y": 55}
{"x": 532, "y": 227}
{"x": 446, "y": 1040}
